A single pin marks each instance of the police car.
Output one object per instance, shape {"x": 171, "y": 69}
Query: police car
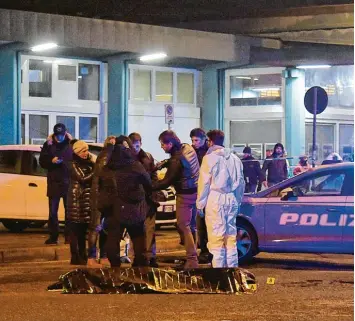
{"x": 312, "y": 212}
{"x": 23, "y": 187}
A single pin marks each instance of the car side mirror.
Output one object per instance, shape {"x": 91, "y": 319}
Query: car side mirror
{"x": 289, "y": 195}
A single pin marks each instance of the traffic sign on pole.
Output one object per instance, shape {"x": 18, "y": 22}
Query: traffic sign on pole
{"x": 315, "y": 101}
{"x": 169, "y": 114}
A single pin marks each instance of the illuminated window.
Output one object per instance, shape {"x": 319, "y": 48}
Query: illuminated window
{"x": 142, "y": 85}
{"x": 185, "y": 88}
{"x": 164, "y": 86}
{"x": 255, "y": 90}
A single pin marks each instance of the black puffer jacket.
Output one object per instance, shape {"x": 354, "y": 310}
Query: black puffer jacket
{"x": 81, "y": 172}
{"x": 183, "y": 170}
{"x": 133, "y": 183}
{"x": 103, "y": 187}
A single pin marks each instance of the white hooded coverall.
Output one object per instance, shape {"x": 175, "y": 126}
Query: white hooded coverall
{"x": 220, "y": 190}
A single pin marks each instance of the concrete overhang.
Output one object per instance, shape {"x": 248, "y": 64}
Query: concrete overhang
{"x": 317, "y": 24}
{"x": 87, "y": 37}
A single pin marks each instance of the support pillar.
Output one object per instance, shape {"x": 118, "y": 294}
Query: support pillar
{"x": 10, "y": 130}
{"x": 213, "y": 99}
{"x": 117, "y": 113}
{"x": 294, "y": 112}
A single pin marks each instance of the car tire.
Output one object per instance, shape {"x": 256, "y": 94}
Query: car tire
{"x": 247, "y": 241}
{"x": 15, "y": 226}
{"x": 37, "y": 224}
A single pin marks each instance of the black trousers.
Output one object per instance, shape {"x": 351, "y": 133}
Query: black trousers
{"x": 53, "y": 223}
{"x": 78, "y": 242}
{"x": 202, "y": 234}
{"x": 115, "y": 232}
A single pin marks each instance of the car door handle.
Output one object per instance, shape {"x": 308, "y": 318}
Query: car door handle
{"x": 333, "y": 210}
{"x": 32, "y": 185}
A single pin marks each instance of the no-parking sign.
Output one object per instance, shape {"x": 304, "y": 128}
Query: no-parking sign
{"x": 169, "y": 114}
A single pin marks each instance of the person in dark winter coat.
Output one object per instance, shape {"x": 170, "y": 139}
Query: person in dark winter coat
{"x": 102, "y": 195}
{"x": 147, "y": 161}
{"x": 55, "y": 156}
{"x": 199, "y": 143}
{"x": 130, "y": 208}
{"x": 81, "y": 172}
{"x": 182, "y": 173}
{"x": 276, "y": 167}
{"x": 252, "y": 171}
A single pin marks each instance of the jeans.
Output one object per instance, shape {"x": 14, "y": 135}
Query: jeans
{"x": 137, "y": 234}
{"x": 186, "y": 224}
{"x": 150, "y": 236}
{"x": 53, "y": 224}
{"x": 78, "y": 242}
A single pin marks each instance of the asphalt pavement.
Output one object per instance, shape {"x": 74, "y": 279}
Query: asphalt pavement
{"x": 29, "y": 245}
{"x": 290, "y": 287}
{"x": 301, "y": 291}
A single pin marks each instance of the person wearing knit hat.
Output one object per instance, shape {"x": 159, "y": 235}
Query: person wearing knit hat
{"x": 79, "y": 213}
{"x": 81, "y": 149}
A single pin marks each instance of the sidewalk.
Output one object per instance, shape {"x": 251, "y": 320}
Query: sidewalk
{"x": 29, "y": 246}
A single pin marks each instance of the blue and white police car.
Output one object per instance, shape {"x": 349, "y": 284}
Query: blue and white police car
{"x": 312, "y": 212}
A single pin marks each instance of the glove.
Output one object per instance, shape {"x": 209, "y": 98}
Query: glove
{"x": 201, "y": 213}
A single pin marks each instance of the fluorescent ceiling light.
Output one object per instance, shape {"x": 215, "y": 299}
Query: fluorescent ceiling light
{"x": 45, "y": 46}
{"x": 242, "y": 77}
{"x": 56, "y": 61}
{"x": 266, "y": 89}
{"x": 155, "y": 56}
{"x": 313, "y": 66}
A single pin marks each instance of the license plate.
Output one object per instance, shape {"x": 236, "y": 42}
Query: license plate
{"x": 168, "y": 208}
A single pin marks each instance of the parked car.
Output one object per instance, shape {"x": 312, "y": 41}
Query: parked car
{"x": 23, "y": 187}
{"x": 312, "y": 212}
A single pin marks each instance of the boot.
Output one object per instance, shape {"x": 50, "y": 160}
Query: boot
{"x": 92, "y": 263}
{"x": 153, "y": 262}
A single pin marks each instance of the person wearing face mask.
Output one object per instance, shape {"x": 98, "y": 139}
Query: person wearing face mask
{"x": 55, "y": 155}
{"x": 303, "y": 165}
{"x": 79, "y": 212}
{"x": 275, "y": 168}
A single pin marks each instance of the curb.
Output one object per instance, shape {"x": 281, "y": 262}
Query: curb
{"x": 62, "y": 252}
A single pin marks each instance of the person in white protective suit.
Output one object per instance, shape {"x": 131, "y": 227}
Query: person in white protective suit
{"x": 220, "y": 190}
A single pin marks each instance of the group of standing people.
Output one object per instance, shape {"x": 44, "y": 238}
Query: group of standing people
{"x": 273, "y": 171}
{"x": 115, "y": 193}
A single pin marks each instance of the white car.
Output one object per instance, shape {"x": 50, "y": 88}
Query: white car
{"x": 23, "y": 186}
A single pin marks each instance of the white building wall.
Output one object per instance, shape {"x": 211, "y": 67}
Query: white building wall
{"x": 64, "y": 100}
{"x": 148, "y": 117}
